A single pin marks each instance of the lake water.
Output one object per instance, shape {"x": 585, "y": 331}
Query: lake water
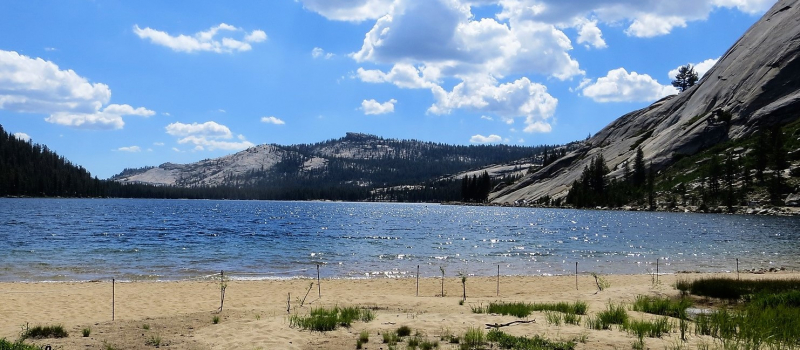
{"x": 128, "y": 239}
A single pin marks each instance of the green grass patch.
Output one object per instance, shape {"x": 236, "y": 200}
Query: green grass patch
{"x": 765, "y": 324}
{"x": 650, "y": 329}
{"x": 523, "y": 310}
{"x": 505, "y": 341}
{"x": 18, "y": 345}
{"x": 662, "y": 306}
{"x": 86, "y": 332}
{"x": 41, "y": 332}
{"x": 324, "y": 320}
{"x": 735, "y": 290}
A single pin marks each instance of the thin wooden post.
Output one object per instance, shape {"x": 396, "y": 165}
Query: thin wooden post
{"x": 319, "y": 287}
{"x": 737, "y": 269}
{"x": 113, "y": 297}
{"x": 289, "y": 303}
{"x": 576, "y": 275}
{"x": 417, "y": 280}
{"x": 498, "y": 280}
{"x": 657, "y": 269}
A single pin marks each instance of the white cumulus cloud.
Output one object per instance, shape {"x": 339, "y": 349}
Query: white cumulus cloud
{"x": 621, "y": 86}
{"x": 22, "y": 136}
{"x": 349, "y": 10}
{"x": 131, "y": 149}
{"x": 272, "y": 120}
{"x": 590, "y": 34}
{"x": 521, "y": 98}
{"x": 700, "y": 68}
{"x": 485, "y": 139}
{"x": 33, "y": 85}
{"x": 403, "y": 75}
{"x": 318, "y": 52}
{"x": 207, "y": 136}
{"x": 372, "y": 107}
{"x": 211, "y": 129}
{"x": 205, "y": 40}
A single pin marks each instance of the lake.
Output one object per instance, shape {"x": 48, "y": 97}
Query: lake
{"x": 148, "y": 239}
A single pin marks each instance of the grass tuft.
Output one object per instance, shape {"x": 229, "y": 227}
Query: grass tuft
{"x": 650, "y": 329}
{"x": 154, "y": 340}
{"x": 613, "y": 314}
{"x": 473, "y": 339}
{"x": 86, "y": 332}
{"x": 662, "y": 306}
{"x": 324, "y": 320}
{"x": 41, "y": 332}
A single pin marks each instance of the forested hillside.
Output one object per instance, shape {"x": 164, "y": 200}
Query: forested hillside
{"x": 355, "y": 168}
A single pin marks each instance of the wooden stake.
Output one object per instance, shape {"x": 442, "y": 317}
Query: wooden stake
{"x": 113, "y": 297}
{"x": 737, "y": 269}
{"x": 498, "y": 280}
{"x": 657, "y": 270}
{"x": 417, "y": 280}
{"x": 289, "y": 303}
{"x": 319, "y": 286}
{"x": 576, "y": 275}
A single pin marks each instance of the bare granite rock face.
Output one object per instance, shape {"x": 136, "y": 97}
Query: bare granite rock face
{"x": 756, "y": 83}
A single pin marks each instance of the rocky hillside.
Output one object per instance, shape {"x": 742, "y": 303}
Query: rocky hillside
{"x": 753, "y": 87}
{"x": 354, "y": 160}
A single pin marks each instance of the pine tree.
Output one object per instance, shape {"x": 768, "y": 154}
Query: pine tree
{"x": 685, "y": 78}
{"x": 639, "y": 171}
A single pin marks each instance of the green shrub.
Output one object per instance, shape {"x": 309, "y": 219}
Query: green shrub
{"x": 403, "y": 331}
{"x": 86, "y": 332}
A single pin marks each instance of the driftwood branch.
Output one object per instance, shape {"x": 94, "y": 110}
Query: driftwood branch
{"x": 496, "y": 325}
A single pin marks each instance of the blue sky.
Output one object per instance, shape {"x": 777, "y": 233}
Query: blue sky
{"x": 122, "y": 84}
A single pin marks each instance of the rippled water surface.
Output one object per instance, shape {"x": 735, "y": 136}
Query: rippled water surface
{"x": 84, "y": 239}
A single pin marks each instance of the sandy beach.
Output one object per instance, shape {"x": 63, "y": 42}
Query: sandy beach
{"x": 180, "y": 314}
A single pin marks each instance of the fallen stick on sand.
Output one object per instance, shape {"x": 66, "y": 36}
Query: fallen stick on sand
{"x": 495, "y": 325}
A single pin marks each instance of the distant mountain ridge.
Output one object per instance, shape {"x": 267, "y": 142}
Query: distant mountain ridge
{"x": 358, "y": 160}
{"x": 755, "y": 85}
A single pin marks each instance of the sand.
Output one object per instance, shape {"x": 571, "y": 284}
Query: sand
{"x": 179, "y": 315}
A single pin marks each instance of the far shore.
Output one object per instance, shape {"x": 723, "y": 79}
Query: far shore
{"x": 180, "y": 314}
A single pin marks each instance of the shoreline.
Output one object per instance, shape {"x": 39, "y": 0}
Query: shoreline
{"x": 255, "y": 312}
